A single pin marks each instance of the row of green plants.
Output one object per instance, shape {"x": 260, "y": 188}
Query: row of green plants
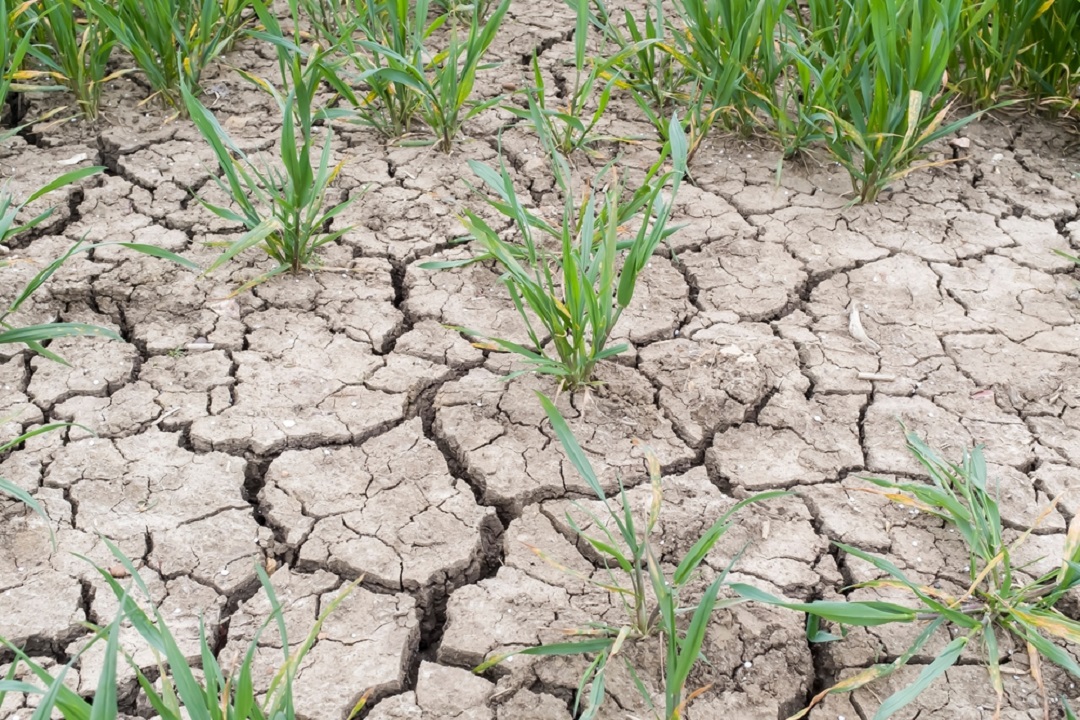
{"x": 575, "y": 278}
{"x": 386, "y": 63}
{"x": 1000, "y": 600}
{"x": 68, "y": 45}
{"x": 571, "y": 280}
{"x": 873, "y": 82}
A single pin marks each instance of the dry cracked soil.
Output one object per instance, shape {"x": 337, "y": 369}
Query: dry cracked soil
{"x": 330, "y": 426}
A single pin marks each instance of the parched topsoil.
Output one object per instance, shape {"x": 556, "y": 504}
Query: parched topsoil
{"x": 330, "y": 426}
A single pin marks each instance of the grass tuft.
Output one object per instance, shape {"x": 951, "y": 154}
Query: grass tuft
{"x": 579, "y": 291}
{"x": 1000, "y": 599}
{"x": 281, "y": 204}
{"x": 652, "y": 600}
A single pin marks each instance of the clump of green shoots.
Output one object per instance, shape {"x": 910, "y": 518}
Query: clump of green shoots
{"x": 172, "y": 41}
{"x": 777, "y": 84}
{"x": 984, "y": 63}
{"x": 716, "y": 49}
{"x": 16, "y": 34}
{"x": 205, "y": 692}
{"x": 406, "y": 77}
{"x": 645, "y": 67}
{"x": 282, "y": 206}
{"x": 1013, "y": 50}
{"x": 998, "y": 600}
{"x": 652, "y": 601}
{"x": 877, "y": 77}
{"x": 576, "y": 279}
{"x": 1051, "y": 60}
{"x": 387, "y": 103}
{"x": 72, "y": 50}
{"x": 696, "y": 53}
{"x": 569, "y": 124}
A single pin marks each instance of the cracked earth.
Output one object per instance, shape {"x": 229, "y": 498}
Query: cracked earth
{"x": 330, "y": 426}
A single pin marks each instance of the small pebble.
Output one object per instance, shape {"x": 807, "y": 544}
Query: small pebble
{"x": 748, "y": 664}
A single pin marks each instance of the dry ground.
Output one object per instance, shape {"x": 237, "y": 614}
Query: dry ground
{"x": 329, "y": 426}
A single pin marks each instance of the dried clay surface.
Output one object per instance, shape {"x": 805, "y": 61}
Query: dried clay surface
{"x": 336, "y": 425}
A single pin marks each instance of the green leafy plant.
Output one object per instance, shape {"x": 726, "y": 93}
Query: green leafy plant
{"x": 998, "y": 600}
{"x": 16, "y": 34}
{"x": 181, "y": 694}
{"x": 570, "y": 124}
{"x": 715, "y": 48}
{"x": 1019, "y": 49}
{"x": 442, "y": 85}
{"x": 72, "y": 51}
{"x": 579, "y": 292}
{"x": 282, "y": 205}
{"x": 642, "y": 66}
{"x": 172, "y": 41}
{"x": 387, "y": 102}
{"x": 984, "y": 65}
{"x": 877, "y": 72}
{"x": 1051, "y": 59}
{"x": 777, "y": 85}
{"x": 652, "y": 601}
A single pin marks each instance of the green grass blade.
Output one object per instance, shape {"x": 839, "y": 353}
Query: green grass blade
{"x": 51, "y": 331}
{"x": 66, "y": 179}
{"x": 13, "y": 490}
{"x": 71, "y": 706}
{"x": 691, "y": 645}
{"x": 857, "y": 613}
{"x": 105, "y": 696}
{"x": 581, "y": 647}
{"x": 705, "y": 543}
{"x": 570, "y": 446}
{"x": 931, "y": 672}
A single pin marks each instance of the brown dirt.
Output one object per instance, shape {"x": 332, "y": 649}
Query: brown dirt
{"x": 330, "y": 426}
